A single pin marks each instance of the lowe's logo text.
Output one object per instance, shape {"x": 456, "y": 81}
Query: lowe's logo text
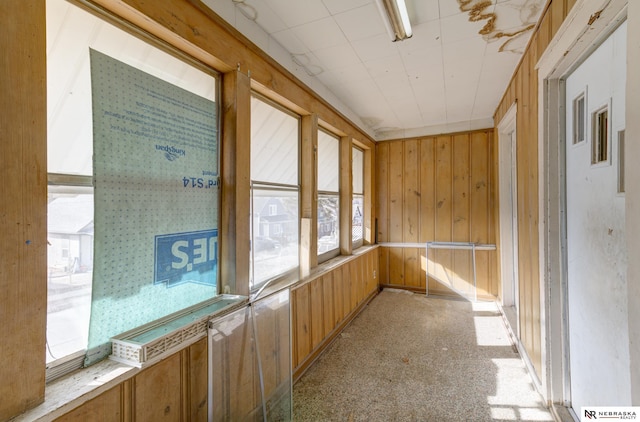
{"x": 186, "y": 258}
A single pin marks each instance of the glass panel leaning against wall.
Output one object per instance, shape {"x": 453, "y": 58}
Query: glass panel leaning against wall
{"x": 357, "y": 206}
{"x": 140, "y": 125}
{"x": 328, "y": 195}
{"x": 275, "y": 138}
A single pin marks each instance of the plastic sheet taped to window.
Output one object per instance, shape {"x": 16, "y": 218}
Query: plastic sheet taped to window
{"x": 250, "y": 362}
{"x": 156, "y": 200}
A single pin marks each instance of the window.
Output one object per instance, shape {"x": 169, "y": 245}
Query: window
{"x": 69, "y": 265}
{"x": 140, "y": 125}
{"x": 600, "y": 138}
{"x": 275, "y": 139}
{"x": 357, "y": 206}
{"x": 328, "y": 195}
{"x": 579, "y": 119}
{"x": 621, "y": 153}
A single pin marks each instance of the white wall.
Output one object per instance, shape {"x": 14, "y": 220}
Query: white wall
{"x": 596, "y": 232}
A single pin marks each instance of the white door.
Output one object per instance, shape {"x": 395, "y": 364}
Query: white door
{"x": 596, "y": 252}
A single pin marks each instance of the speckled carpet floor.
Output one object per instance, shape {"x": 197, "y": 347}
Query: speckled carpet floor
{"x": 408, "y": 357}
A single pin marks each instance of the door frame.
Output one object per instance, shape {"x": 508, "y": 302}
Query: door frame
{"x": 508, "y": 193}
{"x": 570, "y": 46}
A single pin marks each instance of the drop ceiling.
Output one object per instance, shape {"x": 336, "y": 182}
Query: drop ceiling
{"x": 449, "y": 76}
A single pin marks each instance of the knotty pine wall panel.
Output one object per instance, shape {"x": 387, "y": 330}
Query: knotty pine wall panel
{"x": 437, "y": 188}
{"x": 23, "y": 213}
{"x": 324, "y": 304}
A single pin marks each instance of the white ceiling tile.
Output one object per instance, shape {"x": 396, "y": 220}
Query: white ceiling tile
{"x": 290, "y": 41}
{"x": 448, "y": 8}
{"x": 349, "y": 74}
{"x": 421, "y": 11}
{"x": 319, "y": 34}
{"x": 337, "y": 56}
{"x": 458, "y": 55}
{"x": 382, "y": 68}
{"x": 363, "y": 22}
{"x": 458, "y": 27}
{"x": 425, "y": 36}
{"x": 377, "y": 47}
{"x": 339, "y": 6}
{"x": 295, "y": 13}
{"x": 265, "y": 16}
{"x": 255, "y": 33}
{"x": 446, "y": 76}
{"x": 425, "y": 64}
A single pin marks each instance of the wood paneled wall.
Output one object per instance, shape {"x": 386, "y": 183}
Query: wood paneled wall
{"x": 439, "y": 188}
{"x": 322, "y": 306}
{"x": 174, "y": 389}
{"x": 23, "y": 205}
{"x": 523, "y": 90}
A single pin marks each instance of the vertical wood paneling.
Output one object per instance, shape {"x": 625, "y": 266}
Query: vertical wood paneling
{"x": 542, "y": 37}
{"x": 198, "y": 380}
{"x": 348, "y": 285}
{"x": 444, "y": 208}
{"x": 462, "y": 270}
{"x": 480, "y": 204}
{"x": 411, "y": 210}
{"x": 438, "y": 188}
{"x": 302, "y": 318}
{"x": 557, "y": 16}
{"x": 338, "y": 298}
{"x": 346, "y": 289}
{"x": 396, "y": 255}
{"x": 104, "y": 408}
{"x": 382, "y": 208}
{"x": 157, "y": 391}
{"x": 23, "y": 215}
{"x": 328, "y": 304}
{"x": 316, "y": 316}
{"x": 427, "y": 199}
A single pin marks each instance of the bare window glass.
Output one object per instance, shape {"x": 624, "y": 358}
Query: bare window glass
{"x": 328, "y": 195}
{"x": 357, "y": 206}
{"x": 275, "y": 137}
{"x": 69, "y": 269}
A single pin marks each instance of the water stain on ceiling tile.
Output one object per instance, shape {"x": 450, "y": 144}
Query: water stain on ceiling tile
{"x": 496, "y": 27}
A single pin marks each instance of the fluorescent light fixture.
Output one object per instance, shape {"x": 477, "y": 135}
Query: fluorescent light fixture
{"x": 395, "y": 18}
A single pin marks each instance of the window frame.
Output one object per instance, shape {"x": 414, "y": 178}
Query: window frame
{"x": 358, "y": 242}
{"x": 597, "y": 133}
{"x": 621, "y": 162}
{"x": 71, "y": 184}
{"x": 577, "y": 127}
{"x": 262, "y": 185}
{"x": 332, "y": 253}
{"x": 66, "y": 364}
